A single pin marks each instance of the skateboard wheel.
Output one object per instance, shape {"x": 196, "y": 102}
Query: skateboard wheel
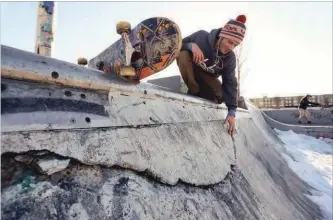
{"x": 123, "y": 26}
{"x": 82, "y": 61}
{"x": 127, "y": 71}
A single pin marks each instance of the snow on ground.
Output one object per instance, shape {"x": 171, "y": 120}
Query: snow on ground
{"x": 311, "y": 159}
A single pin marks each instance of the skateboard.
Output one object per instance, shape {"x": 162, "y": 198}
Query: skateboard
{"x": 148, "y": 48}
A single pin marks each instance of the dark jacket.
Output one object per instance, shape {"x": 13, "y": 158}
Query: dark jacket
{"x": 304, "y": 103}
{"x": 225, "y": 64}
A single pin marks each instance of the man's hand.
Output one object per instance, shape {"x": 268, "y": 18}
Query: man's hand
{"x": 231, "y": 120}
{"x": 198, "y": 56}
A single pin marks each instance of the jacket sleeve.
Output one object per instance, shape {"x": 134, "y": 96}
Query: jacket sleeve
{"x": 314, "y": 103}
{"x": 187, "y": 41}
{"x": 229, "y": 87}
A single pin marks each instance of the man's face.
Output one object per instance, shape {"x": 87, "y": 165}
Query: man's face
{"x": 227, "y": 45}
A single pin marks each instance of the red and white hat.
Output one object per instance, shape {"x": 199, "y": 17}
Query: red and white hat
{"x": 235, "y": 29}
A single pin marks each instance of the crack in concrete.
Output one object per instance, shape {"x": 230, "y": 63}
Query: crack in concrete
{"x": 145, "y": 173}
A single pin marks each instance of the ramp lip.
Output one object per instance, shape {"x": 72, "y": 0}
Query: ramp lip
{"x": 23, "y": 65}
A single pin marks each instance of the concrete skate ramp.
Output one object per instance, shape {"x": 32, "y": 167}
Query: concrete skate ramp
{"x": 171, "y": 82}
{"x": 318, "y": 116}
{"x": 311, "y": 130}
{"x": 145, "y": 152}
{"x": 154, "y": 130}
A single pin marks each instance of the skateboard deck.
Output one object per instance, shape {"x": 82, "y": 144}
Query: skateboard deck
{"x": 148, "y": 48}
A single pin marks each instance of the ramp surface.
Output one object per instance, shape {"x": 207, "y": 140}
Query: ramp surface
{"x": 145, "y": 152}
{"x": 317, "y": 115}
{"x": 325, "y": 131}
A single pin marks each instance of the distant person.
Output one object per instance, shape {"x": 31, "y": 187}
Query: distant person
{"x": 205, "y": 56}
{"x": 82, "y": 61}
{"x": 302, "y": 108}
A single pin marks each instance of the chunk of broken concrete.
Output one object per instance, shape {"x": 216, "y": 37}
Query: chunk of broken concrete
{"x": 51, "y": 165}
{"x": 24, "y": 159}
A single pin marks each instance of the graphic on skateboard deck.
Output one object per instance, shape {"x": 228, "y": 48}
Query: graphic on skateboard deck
{"x": 146, "y": 49}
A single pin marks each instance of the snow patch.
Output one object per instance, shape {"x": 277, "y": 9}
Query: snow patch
{"x": 312, "y": 161}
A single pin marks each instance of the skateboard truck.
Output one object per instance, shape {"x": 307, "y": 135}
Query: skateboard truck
{"x": 124, "y": 28}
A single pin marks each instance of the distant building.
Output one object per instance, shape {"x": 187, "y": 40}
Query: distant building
{"x": 291, "y": 101}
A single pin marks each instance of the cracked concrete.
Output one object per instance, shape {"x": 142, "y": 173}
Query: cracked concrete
{"x": 180, "y": 165}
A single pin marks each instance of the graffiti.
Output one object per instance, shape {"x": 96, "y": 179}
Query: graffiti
{"x": 46, "y": 16}
{"x": 46, "y": 35}
{"x": 315, "y": 114}
{"x": 28, "y": 183}
{"x": 46, "y": 28}
{"x": 48, "y": 6}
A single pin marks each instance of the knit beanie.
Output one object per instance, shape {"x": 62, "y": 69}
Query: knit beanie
{"x": 234, "y": 29}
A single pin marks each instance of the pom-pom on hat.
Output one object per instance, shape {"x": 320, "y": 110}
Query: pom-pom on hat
{"x": 235, "y": 29}
{"x": 82, "y": 61}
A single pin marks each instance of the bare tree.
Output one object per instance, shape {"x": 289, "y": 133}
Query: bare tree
{"x": 240, "y": 59}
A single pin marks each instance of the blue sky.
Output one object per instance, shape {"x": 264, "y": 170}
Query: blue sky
{"x": 288, "y": 45}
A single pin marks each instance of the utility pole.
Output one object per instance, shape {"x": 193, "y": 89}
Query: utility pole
{"x": 44, "y": 33}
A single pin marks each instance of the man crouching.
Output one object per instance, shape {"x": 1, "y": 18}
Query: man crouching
{"x": 206, "y": 56}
